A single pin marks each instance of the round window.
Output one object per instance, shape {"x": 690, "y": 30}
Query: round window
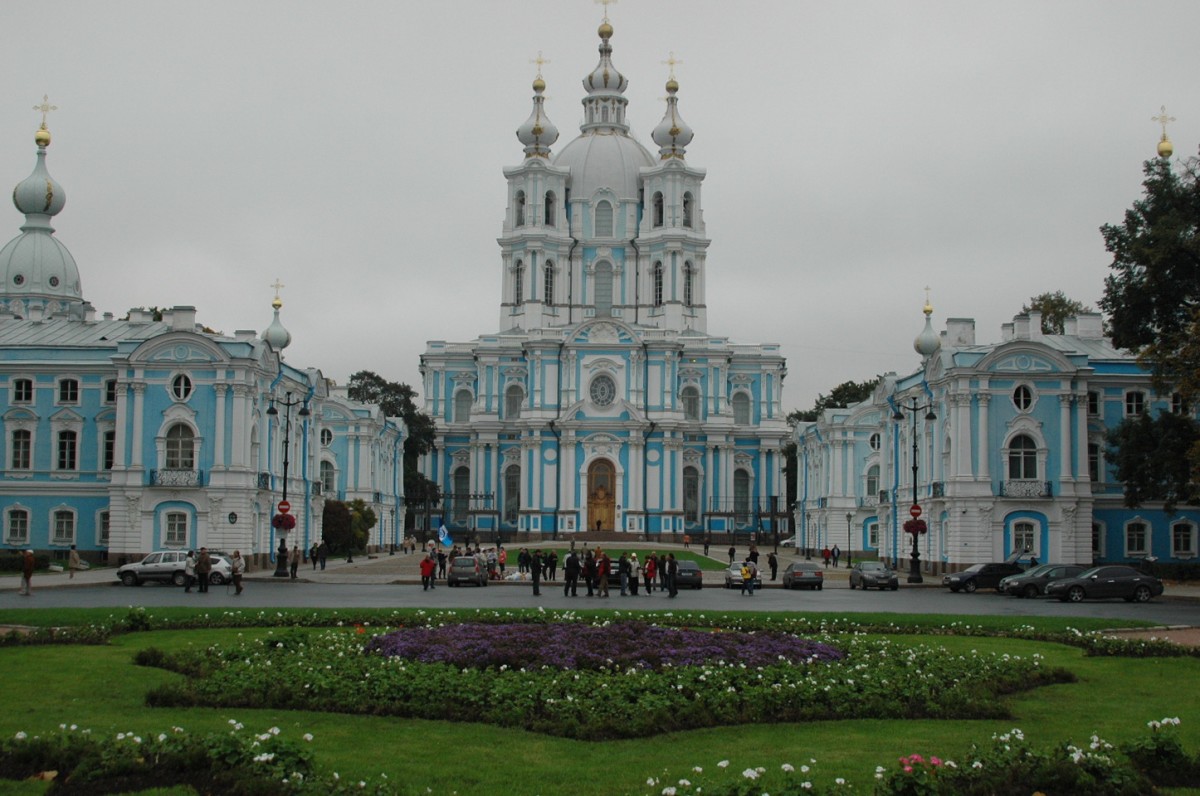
{"x": 874, "y": 442}
{"x": 19, "y": 279}
{"x": 1023, "y": 398}
{"x": 326, "y": 436}
{"x": 181, "y": 387}
{"x": 54, "y": 281}
{"x": 603, "y": 390}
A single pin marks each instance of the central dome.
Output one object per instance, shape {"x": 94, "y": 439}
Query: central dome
{"x": 604, "y": 160}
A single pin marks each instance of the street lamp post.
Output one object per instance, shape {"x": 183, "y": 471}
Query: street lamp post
{"x": 916, "y": 526}
{"x": 281, "y": 566}
{"x": 849, "y": 541}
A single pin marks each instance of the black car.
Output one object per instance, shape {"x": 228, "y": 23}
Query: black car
{"x": 873, "y": 573}
{"x": 1103, "y": 582}
{"x": 690, "y": 576}
{"x": 980, "y": 576}
{"x": 1032, "y": 582}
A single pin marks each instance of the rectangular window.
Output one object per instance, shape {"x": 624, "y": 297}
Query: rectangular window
{"x": 1178, "y": 405}
{"x": 1135, "y": 403}
{"x": 1023, "y": 536}
{"x": 1094, "y": 462}
{"x": 104, "y": 528}
{"x": 110, "y": 446}
{"x": 67, "y": 450}
{"x": 1183, "y": 540}
{"x": 873, "y": 535}
{"x": 22, "y": 450}
{"x": 1093, "y": 403}
{"x": 110, "y": 391}
{"x": 1137, "y": 541}
{"x": 64, "y": 527}
{"x": 1097, "y": 540}
{"x": 22, "y": 391}
{"x": 176, "y": 528}
{"x": 18, "y": 526}
{"x": 68, "y": 391}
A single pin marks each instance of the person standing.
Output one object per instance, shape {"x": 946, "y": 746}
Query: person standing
{"x": 203, "y": 567}
{"x": 603, "y": 568}
{"x": 27, "y": 564}
{"x": 773, "y": 563}
{"x": 427, "y": 567}
{"x": 707, "y": 540}
{"x": 672, "y": 570}
{"x": 322, "y": 552}
{"x": 502, "y": 559}
{"x": 294, "y": 560}
{"x": 623, "y": 569}
{"x": 589, "y": 573}
{"x": 748, "y": 573}
{"x": 441, "y": 564}
{"x": 732, "y": 553}
{"x": 650, "y": 571}
{"x": 312, "y": 556}
{"x": 837, "y": 553}
{"x": 687, "y": 541}
{"x": 571, "y": 575}
{"x": 535, "y": 564}
{"x": 189, "y": 571}
{"x": 636, "y": 569}
{"x": 825, "y": 555}
{"x": 73, "y": 563}
{"x": 237, "y": 568}
{"x": 552, "y": 565}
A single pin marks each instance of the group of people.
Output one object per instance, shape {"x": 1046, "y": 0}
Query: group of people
{"x": 197, "y": 568}
{"x": 596, "y": 567}
{"x": 831, "y": 555}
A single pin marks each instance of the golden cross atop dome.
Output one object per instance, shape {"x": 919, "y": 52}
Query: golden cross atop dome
{"x": 278, "y": 286}
{"x": 671, "y": 62}
{"x": 540, "y": 61}
{"x": 46, "y": 107}
{"x": 606, "y": 4}
{"x": 1163, "y": 119}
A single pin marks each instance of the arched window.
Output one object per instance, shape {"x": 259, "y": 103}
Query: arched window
{"x": 604, "y": 290}
{"x": 872, "y": 490}
{"x": 548, "y": 284}
{"x": 22, "y": 450}
{"x": 687, "y": 209}
{"x": 691, "y": 495}
{"x": 519, "y": 283}
{"x": 1024, "y": 537}
{"x": 657, "y": 209}
{"x": 519, "y": 207}
{"x": 688, "y": 296}
{"x": 741, "y": 497}
{"x": 658, "y": 284}
{"x": 551, "y": 212}
{"x": 1022, "y": 458}
{"x": 741, "y": 408}
{"x": 68, "y": 450}
{"x": 691, "y": 403}
{"x": 462, "y": 406}
{"x": 181, "y": 448}
{"x": 604, "y": 219}
{"x": 462, "y": 486}
{"x": 512, "y": 494}
{"x": 513, "y": 397}
{"x": 328, "y": 479}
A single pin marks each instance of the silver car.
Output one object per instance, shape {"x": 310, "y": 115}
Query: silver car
{"x": 167, "y": 567}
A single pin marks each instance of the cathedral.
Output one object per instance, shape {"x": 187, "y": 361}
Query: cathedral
{"x": 601, "y": 402}
{"x": 151, "y": 432}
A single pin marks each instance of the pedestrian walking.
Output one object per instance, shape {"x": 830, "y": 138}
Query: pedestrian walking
{"x": 837, "y": 553}
{"x": 73, "y": 563}
{"x": 27, "y": 564}
{"x": 707, "y": 541}
{"x": 535, "y": 565}
{"x": 312, "y": 556}
{"x": 732, "y": 553}
{"x": 636, "y": 568}
{"x": 571, "y": 575}
{"x": 238, "y": 568}
{"x": 189, "y": 570}
{"x": 427, "y": 566}
{"x": 825, "y": 554}
{"x": 773, "y": 563}
{"x": 203, "y": 567}
{"x": 672, "y": 570}
{"x": 294, "y": 560}
{"x": 650, "y": 570}
{"x": 624, "y": 569}
{"x": 322, "y": 552}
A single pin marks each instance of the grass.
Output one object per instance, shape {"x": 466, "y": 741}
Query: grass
{"x": 98, "y": 687}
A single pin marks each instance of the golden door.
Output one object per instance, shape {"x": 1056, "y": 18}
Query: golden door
{"x": 602, "y": 499}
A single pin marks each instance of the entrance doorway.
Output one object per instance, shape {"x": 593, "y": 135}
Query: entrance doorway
{"x": 602, "y": 498}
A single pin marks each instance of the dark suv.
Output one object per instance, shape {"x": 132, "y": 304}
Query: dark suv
{"x": 980, "y": 576}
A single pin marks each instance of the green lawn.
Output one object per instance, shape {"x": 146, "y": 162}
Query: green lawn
{"x": 99, "y": 688}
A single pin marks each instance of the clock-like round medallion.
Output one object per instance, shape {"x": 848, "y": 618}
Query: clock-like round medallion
{"x": 603, "y": 391}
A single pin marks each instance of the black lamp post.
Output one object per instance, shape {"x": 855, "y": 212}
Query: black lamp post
{"x": 281, "y": 566}
{"x": 849, "y": 540}
{"x": 916, "y": 526}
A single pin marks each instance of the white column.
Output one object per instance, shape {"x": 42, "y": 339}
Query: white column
{"x": 139, "y": 410}
{"x": 219, "y": 428}
{"x": 121, "y": 427}
{"x": 984, "y": 454}
{"x": 1064, "y": 429}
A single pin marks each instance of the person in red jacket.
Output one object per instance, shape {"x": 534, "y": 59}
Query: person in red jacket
{"x": 428, "y": 565}
{"x": 650, "y": 570}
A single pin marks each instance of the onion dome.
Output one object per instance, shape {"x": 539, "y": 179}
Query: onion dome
{"x": 604, "y": 106}
{"x": 538, "y": 133}
{"x": 672, "y": 133}
{"x": 1165, "y": 147}
{"x": 275, "y": 335}
{"x": 35, "y": 266}
{"x": 927, "y": 342}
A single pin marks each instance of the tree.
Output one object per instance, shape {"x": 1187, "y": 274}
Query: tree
{"x": 396, "y": 399}
{"x": 845, "y": 394}
{"x": 1152, "y": 297}
{"x": 1153, "y": 458}
{"x": 362, "y": 520}
{"x": 335, "y": 525}
{"x": 1055, "y": 308}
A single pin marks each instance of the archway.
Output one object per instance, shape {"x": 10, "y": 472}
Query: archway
{"x": 602, "y": 498}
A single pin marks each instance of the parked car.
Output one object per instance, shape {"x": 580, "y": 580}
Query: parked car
{"x": 980, "y": 576}
{"x": 466, "y": 569}
{"x": 1105, "y": 582}
{"x": 167, "y": 567}
{"x": 803, "y": 575}
{"x": 1032, "y": 582}
{"x": 690, "y": 576}
{"x": 873, "y": 573}
{"x": 788, "y": 542}
{"x": 733, "y": 577}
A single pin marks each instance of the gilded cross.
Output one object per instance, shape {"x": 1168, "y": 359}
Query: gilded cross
{"x": 278, "y": 286}
{"x": 540, "y": 61}
{"x": 1163, "y": 119}
{"x": 671, "y": 62}
{"x": 606, "y": 4}
{"x": 46, "y": 107}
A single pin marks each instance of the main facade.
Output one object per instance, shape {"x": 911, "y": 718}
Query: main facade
{"x": 1008, "y": 439}
{"x": 602, "y": 402}
{"x": 152, "y": 432}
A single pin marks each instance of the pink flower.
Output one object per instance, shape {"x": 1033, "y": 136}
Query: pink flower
{"x": 908, "y": 769}
{"x": 935, "y": 761}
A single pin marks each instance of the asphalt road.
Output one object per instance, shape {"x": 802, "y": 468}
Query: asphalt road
{"x": 836, "y": 598}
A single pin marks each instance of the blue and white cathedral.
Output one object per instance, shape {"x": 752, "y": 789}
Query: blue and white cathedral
{"x": 601, "y": 401}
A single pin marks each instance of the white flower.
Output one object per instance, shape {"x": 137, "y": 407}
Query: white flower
{"x": 668, "y": 791}
{"x": 788, "y": 767}
{"x": 977, "y": 764}
{"x": 840, "y": 781}
{"x": 697, "y": 769}
{"x": 20, "y": 736}
{"x": 806, "y": 785}
{"x": 750, "y": 774}
{"x": 683, "y": 783}
{"x": 723, "y": 764}
{"x": 803, "y": 769}
{"x": 308, "y": 736}
{"x": 274, "y": 730}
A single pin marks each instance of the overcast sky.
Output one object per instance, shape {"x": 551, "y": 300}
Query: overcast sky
{"x": 856, "y": 152}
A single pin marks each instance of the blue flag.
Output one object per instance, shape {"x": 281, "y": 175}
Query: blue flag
{"x": 444, "y": 537}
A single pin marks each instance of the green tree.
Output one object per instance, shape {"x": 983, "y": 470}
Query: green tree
{"x": 845, "y": 394}
{"x": 1055, "y": 308}
{"x": 399, "y": 400}
{"x": 362, "y": 520}
{"x": 1153, "y": 459}
{"x": 336, "y": 529}
{"x": 1152, "y": 298}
